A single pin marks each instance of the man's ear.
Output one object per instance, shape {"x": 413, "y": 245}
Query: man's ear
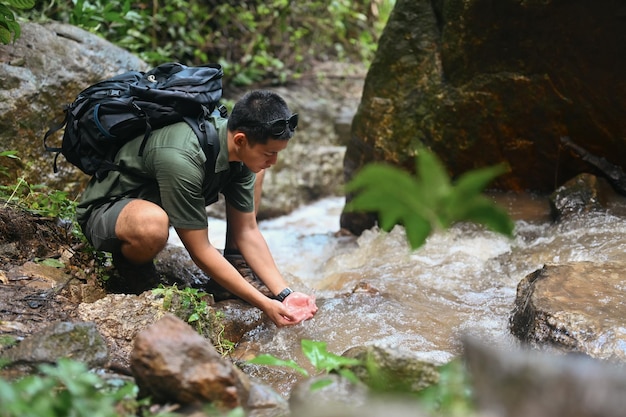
{"x": 240, "y": 139}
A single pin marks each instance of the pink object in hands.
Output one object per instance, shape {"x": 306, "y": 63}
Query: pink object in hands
{"x": 301, "y": 306}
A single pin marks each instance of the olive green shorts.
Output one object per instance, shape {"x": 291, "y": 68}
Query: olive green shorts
{"x": 100, "y": 228}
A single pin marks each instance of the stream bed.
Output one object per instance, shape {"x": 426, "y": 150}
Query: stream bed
{"x": 462, "y": 281}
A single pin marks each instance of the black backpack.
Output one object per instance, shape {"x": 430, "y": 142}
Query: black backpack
{"x": 109, "y": 113}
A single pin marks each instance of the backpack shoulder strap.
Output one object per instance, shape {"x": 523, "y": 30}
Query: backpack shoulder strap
{"x": 207, "y": 135}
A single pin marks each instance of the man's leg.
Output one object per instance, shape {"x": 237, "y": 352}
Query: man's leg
{"x": 134, "y": 231}
{"x": 143, "y": 229}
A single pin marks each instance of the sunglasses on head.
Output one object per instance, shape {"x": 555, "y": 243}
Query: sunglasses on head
{"x": 279, "y": 126}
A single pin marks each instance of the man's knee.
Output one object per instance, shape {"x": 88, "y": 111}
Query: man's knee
{"x": 143, "y": 221}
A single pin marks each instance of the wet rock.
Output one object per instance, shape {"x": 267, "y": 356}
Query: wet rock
{"x": 397, "y": 373}
{"x": 171, "y": 362}
{"x": 576, "y": 307}
{"x": 378, "y": 407}
{"x": 265, "y": 402}
{"x": 78, "y": 341}
{"x": 522, "y": 383}
{"x": 175, "y": 266}
{"x": 239, "y": 318}
{"x": 583, "y": 194}
{"x": 119, "y": 318}
{"x": 400, "y": 371}
{"x": 326, "y": 391}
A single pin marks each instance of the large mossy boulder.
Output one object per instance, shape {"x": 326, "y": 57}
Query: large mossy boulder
{"x": 482, "y": 82}
{"x": 43, "y": 70}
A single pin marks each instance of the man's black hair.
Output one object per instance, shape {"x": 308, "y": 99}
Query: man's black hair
{"x": 254, "y": 110}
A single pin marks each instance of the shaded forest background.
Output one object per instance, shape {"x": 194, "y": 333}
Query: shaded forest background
{"x": 258, "y": 42}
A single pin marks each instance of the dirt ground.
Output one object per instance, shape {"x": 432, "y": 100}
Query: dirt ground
{"x": 44, "y": 271}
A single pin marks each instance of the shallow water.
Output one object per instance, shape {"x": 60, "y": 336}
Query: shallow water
{"x": 462, "y": 280}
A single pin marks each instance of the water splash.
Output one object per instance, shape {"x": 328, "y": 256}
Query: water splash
{"x": 462, "y": 280}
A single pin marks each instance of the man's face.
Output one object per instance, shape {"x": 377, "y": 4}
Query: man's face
{"x": 261, "y": 156}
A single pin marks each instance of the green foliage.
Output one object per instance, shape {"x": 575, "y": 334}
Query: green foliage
{"x": 428, "y": 201}
{"x": 190, "y": 304}
{"x": 10, "y": 155}
{"x": 255, "y": 41}
{"x": 7, "y": 340}
{"x": 36, "y": 198}
{"x": 211, "y": 411}
{"x": 452, "y": 396}
{"x": 67, "y": 389}
{"x": 9, "y": 27}
{"x": 322, "y": 360}
{"x": 40, "y": 199}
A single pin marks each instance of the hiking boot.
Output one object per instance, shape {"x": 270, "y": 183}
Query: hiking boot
{"x": 131, "y": 278}
{"x": 240, "y": 264}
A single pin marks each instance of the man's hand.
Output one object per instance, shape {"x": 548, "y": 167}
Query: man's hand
{"x": 296, "y": 308}
{"x": 301, "y": 306}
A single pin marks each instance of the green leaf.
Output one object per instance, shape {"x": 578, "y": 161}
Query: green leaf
{"x": 432, "y": 175}
{"x": 387, "y": 189}
{"x": 473, "y": 182}
{"x": 52, "y": 262}
{"x": 349, "y": 375}
{"x": 22, "y": 4}
{"x": 321, "y": 383}
{"x": 322, "y": 359}
{"x": 5, "y": 35}
{"x": 481, "y": 210}
{"x": 271, "y": 360}
{"x": 428, "y": 201}
{"x": 417, "y": 231}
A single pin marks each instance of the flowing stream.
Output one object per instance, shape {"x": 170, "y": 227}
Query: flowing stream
{"x": 462, "y": 280}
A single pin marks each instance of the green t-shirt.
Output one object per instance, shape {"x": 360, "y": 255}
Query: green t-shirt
{"x": 171, "y": 173}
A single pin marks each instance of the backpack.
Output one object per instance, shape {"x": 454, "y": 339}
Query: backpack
{"x": 106, "y": 115}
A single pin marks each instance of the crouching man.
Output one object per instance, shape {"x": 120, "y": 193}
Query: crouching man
{"x": 130, "y": 214}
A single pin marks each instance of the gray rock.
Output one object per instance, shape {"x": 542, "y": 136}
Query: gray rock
{"x": 397, "y": 371}
{"x": 326, "y": 391}
{"x": 77, "y": 341}
{"x": 522, "y": 383}
{"x": 582, "y": 194}
{"x": 44, "y": 69}
{"x": 119, "y": 318}
{"x": 575, "y": 308}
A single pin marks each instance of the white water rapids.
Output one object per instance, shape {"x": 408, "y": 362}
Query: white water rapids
{"x": 462, "y": 280}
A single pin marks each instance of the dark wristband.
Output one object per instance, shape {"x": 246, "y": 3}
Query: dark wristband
{"x": 283, "y": 294}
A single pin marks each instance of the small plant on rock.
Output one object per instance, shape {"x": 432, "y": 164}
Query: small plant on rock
{"x": 190, "y": 304}
{"x": 322, "y": 360}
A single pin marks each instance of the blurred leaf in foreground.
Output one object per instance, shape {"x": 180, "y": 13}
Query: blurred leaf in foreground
{"x": 429, "y": 200}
